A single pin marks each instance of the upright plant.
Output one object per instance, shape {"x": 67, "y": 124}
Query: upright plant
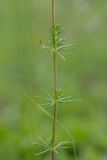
{"x": 56, "y": 46}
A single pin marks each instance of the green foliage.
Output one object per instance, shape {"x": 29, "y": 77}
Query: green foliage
{"x": 56, "y": 42}
{"x": 47, "y": 146}
{"x": 55, "y": 45}
{"x": 48, "y": 100}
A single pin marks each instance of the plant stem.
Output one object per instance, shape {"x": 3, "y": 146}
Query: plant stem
{"x": 54, "y": 109}
{"x": 53, "y": 13}
{"x": 55, "y": 87}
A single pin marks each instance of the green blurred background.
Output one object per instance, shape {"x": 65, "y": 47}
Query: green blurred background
{"x": 26, "y": 69}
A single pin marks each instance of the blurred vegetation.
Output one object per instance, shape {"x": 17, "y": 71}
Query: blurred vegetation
{"x": 25, "y": 69}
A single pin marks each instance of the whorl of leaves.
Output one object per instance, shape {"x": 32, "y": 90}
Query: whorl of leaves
{"x": 56, "y": 42}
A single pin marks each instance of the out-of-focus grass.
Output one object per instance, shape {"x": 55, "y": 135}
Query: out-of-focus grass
{"x": 25, "y": 69}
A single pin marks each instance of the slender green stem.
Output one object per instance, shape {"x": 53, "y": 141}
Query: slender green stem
{"x": 53, "y": 13}
{"x": 55, "y": 87}
{"x": 54, "y": 109}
